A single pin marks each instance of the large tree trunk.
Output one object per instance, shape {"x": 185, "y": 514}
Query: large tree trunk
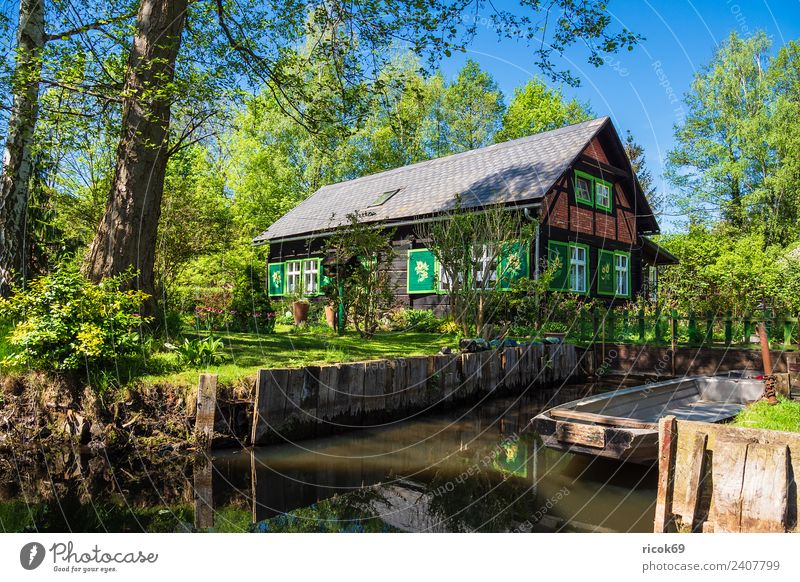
{"x": 17, "y": 154}
{"x": 127, "y": 233}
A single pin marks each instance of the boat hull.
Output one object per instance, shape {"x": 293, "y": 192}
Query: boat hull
{"x": 623, "y": 424}
{"x": 637, "y": 446}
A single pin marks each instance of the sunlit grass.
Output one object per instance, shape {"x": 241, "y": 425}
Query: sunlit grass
{"x": 289, "y": 348}
{"x": 783, "y": 416}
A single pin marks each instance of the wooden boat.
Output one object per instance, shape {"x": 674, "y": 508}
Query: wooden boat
{"x": 623, "y": 424}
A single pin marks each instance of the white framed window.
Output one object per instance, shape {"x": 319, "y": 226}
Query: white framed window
{"x": 485, "y": 264}
{"x": 577, "y": 269}
{"x": 293, "y": 277}
{"x": 444, "y": 278}
{"x": 311, "y": 276}
{"x": 602, "y": 195}
{"x": 621, "y": 270}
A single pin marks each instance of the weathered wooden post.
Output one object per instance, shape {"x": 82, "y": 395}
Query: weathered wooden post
{"x": 766, "y": 358}
{"x": 206, "y": 409}
{"x": 667, "y": 442}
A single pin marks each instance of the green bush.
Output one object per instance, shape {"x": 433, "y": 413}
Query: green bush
{"x": 422, "y": 320}
{"x": 250, "y": 304}
{"x": 63, "y": 321}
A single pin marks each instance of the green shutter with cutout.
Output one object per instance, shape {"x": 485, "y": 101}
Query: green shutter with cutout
{"x": 606, "y": 279}
{"x": 558, "y": 252}
{"x": 276, "y": 276}
{"x": 421, "y": 271}
{"x": 513, "y": 264}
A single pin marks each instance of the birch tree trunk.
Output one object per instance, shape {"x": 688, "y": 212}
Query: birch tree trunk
{"x": 17, "y": 153}
{"x": 127, "y": 233}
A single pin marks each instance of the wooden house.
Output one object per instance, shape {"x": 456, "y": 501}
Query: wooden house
{"x": 576, "y": 181}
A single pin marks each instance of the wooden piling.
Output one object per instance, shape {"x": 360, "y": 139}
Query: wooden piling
{"x": 667, "y": 432}
{"x": 206, "y": 410}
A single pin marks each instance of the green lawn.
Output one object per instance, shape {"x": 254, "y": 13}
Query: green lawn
{"x": 783, "y": 416}
{"x": 247, "y": 352}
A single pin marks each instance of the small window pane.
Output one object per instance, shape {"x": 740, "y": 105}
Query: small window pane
{"x": 293, "y": 276}
{"x": 621, "y": 269}
{"x": 603, "y": 195}
{"x": 310, "y": 277}
{"x": 582, "y": 189}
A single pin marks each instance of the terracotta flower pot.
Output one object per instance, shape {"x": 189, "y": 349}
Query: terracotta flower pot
{"x": 300, "y": 312}
{"x": 330, "y": 316}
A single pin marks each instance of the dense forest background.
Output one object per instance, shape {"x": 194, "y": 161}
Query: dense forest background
{"x": 254, "y": 106}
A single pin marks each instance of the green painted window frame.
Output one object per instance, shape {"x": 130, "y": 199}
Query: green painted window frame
{"x": 612, "y": 254}
{"x": 569, "y": 246}
{"x": 587, "y": 269}
{"x": 283, "y": 279}
{"x": 589, "y": 178}
{"x": 610, "y": 187}
{"x": 286, "y": 264}
{"x": 435, "y": 277}
{"x": 318, "y": 261}
{"x": 592, "y": 200}
{"x": 627, "y": 255}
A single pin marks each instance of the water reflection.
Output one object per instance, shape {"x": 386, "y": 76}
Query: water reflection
{"x": 472, "y": 469}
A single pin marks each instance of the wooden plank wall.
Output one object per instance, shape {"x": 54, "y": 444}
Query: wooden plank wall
{"x": 318, "y": 400}
{"x": 726, "y": 479}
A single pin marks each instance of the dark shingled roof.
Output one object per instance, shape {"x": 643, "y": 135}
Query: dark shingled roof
{"x": 518, "y": 171}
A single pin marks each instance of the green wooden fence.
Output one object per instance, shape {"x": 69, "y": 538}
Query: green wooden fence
{"x": 683, "y": 329}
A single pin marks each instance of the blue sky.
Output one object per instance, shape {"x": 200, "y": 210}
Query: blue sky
{"x": 642, "y": 90}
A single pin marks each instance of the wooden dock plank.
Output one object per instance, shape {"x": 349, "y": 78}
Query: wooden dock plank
{"x": 766, "y": 489}
{"x": 694, "y": 480}
{"x": 730, "y": 458}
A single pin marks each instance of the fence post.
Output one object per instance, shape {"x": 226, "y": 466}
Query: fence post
{"x": 728, "y": 329}
{"x": 641, "y": 325}
{"x": 667, "y": 443}
{"x": 787, "y": 332}
{"x": 709, "y": 339}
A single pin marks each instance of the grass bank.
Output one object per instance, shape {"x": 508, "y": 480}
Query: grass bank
{"x": 783, "y": 416}
{"x": 291, "y": 348}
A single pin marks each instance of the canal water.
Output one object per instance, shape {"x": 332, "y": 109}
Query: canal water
{"x": 469, "y": 469}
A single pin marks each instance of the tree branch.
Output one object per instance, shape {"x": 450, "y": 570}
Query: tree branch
{"x": 87, "y": 27}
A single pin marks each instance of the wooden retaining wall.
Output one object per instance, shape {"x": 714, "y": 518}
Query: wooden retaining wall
{"x": 721, "y": 478}
{"x": 295, "y": 403}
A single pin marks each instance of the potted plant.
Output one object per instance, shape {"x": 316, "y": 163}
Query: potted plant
{"x": 300, "y": 306}
{"x": 554, "y": 329}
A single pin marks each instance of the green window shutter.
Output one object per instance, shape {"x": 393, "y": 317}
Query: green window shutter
{"x": 276, "y": 278}
{"x": 421, "y": 271}
{"x": 606, "y": 281}
{"x": 513, "y": 264}
{"x": 558, "y": 251}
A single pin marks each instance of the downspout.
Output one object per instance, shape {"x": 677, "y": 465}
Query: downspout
{"x": 527, "y": 213}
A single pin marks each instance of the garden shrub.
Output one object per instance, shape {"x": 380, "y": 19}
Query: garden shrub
{"x": 63, "y": 321}
{"x": 250, "y": 305}
{"x": 422, "y": 320}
